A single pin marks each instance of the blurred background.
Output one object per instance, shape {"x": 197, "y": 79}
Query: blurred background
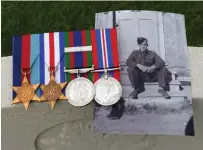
{"x": 38, "y": 17}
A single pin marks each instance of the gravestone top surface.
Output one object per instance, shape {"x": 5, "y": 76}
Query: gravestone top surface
{"x": 68, "y": 127}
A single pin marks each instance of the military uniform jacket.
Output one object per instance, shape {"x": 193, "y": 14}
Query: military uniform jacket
{"x": 146, "y": 58}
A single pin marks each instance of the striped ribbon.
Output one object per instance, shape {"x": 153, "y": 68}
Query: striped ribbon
{"x": 51, "y": 56}
{"x": 50, "y": 46}
{"x": 24, "y": 55}
{"x": 105, "y": 51}
{"x": 98, "y": 47}
{"x": 74, "y": 59}
{"x": 51, "y": 52}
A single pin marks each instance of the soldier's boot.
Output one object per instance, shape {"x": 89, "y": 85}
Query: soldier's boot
{"x": 134, "y": 94}
{"x": 164, "y": 93}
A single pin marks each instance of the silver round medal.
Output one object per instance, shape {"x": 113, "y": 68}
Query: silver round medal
{"x": 108, "y": 91}
{"x": 80, "y": 91}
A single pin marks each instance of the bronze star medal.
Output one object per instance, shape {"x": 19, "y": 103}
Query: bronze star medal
{"x": 52, "y": 92}
{"x": 25, "y": 93}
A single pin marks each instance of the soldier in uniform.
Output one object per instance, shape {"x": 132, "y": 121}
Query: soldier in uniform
{"x": 146, "y": 66}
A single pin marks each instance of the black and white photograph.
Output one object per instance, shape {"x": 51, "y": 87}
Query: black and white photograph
{"x": 155, "y": 75}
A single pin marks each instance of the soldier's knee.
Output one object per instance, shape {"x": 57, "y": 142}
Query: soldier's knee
{"x": 163, "y": 69}
{"x": 166, "y": 73}
{"x": 132, "y": 71}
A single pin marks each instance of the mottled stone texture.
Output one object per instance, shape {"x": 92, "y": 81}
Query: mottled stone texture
{"x": 67, "y": 127}
{"x": 20, "y": 128}
{"x": 175, "y": 41}
{"x": 196, "y": 67}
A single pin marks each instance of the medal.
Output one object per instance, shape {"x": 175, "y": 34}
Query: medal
{"x": 108, "y": 89}
{"x": 53, "y": 91}
{"x": 105, "y": 58}
{"x": 78, "y": 55}
{"x": 80, "y": 91}
{"x": 26, "y": 92}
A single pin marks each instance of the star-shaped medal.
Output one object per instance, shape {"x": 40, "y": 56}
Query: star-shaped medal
{"x": 52, "y": 92}
{"x": 25, "y": 93}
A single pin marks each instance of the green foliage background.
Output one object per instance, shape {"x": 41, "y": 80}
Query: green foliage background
{"x": 38, "y": 17}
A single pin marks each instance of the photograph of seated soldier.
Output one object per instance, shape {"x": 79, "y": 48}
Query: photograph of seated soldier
{"x": 145, "y": 65}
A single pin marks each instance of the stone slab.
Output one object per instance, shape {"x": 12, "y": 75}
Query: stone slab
{"x": 6, "y": 81}
{"x": 154, "y": 93}
{"x": 144, "y": 121}
{"x": 67, "y": 127}
{"x": 174, "y": 84}
{"x": 160, "y": 103}
{"x": 71, "y": 128}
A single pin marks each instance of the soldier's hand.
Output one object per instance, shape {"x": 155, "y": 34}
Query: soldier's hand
{"x": 151, "y": 69}
{"x": 143, "y": 68}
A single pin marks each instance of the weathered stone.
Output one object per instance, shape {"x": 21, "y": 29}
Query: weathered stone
{"x": 41, "y": 128}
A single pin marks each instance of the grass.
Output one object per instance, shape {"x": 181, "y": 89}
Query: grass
{"x": 38, "y": 17}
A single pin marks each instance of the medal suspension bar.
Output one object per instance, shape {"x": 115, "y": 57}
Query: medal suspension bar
{"x": 105, "y": 70}
{"x": 85, "y": 70}
{"x": 79, "y": 70}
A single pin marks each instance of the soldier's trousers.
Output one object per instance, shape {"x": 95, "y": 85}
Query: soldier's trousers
{"x": 137, "y": 77}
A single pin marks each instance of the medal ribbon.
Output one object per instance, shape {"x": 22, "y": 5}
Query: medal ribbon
{"x": 25, "y": 53}
{"x": 28, "y": 56}
{"x": 52, "y": 67}
{"x": 51, "y": 57}
{"x": 78, "y": 51}
{"x": 105, "y": 51}
{"x": 25, "y": 57}
{"x": 53, "y": 60}
{"x": 25, "y": 49}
